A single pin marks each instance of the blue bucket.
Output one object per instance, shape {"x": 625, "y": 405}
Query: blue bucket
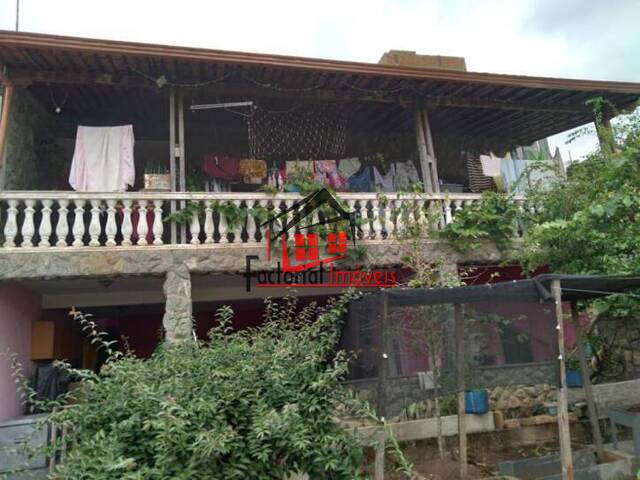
{"x": 574, "y": 378}
{"x": 476, "y": 401}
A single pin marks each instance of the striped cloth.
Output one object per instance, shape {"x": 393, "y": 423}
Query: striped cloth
{"x": 478, "y": 181}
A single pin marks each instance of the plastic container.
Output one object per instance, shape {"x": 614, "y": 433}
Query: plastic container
{"x": 476, "y": 401}
{"x": 574, "y": 378}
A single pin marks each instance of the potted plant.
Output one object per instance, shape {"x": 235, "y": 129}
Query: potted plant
{"x": 157, "y": 178}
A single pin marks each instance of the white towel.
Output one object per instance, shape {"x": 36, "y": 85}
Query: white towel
{"x": 103, "y": 159}
{"x": 491, "y": 166}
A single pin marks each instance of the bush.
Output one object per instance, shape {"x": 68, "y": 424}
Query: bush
{"x": 256, "y": 404}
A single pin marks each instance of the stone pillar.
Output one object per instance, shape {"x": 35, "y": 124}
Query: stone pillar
{"x": 178, "y": 320}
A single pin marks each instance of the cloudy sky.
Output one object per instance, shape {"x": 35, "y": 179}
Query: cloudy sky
{"x": 594, "y": 39}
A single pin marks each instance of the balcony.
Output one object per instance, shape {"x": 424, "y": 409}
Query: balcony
{"x": 55, "y": 234}
{"x": 61, "y": 220}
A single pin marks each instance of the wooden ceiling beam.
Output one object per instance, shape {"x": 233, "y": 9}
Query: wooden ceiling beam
{"x": 26, "y": 77}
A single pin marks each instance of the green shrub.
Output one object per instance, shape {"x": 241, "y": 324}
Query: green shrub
{"x": 492, "y": 219}
{"x": 253, "y": 404}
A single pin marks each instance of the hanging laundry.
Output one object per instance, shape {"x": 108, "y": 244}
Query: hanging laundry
{"x": 478, "y": 181}
{"x": 386, "y": 182}
{"x": 300, "y": 166}
{"x": 103, "y": 159}
{"x": 491, "y": 165}
{"x": 361, "y": 181}
{"x": 276, "y": 178}
{"x": 406, "y": 175}
{"x": 218, "y": 185}
{"x": 221, "y": 166}
{"x": 349, "y": 166}
{"x": 327, "y": 173}
{"x": 253, "y": 171}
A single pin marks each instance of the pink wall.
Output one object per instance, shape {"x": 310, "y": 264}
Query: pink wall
{"x": 19, "y": 308}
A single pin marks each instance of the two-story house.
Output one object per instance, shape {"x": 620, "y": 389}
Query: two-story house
{"x": 230, "y": 136}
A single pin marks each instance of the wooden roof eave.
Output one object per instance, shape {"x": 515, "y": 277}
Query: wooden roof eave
{"x": 112, "y": 47}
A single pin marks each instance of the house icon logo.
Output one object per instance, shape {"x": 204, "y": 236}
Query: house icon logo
{"x": 307, "y": 254}
{"x": 306, "y": 267}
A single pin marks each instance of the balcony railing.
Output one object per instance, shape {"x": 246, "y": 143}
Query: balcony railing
{"x": 56, "y": 219}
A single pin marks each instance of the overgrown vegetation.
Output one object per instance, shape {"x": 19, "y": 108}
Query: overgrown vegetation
{"x": 257, "y": 403}
{"x": 493, "y": 219}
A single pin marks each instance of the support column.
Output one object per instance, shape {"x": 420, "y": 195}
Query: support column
{"x": 563, "y": 409}
{"x": 426, "y": 152}
{"x": 7, "y": 99}
{"x": 172, "y": 158}
{"x": 182, "y": 170}
{"x": 586, "y": 380}
{"x": 433, "y": 162}
{"x": 178, "y": 315}
{"x": 422, "y": 154}
{"x": 383, "y": 365}
{"x": 460, "y": 381}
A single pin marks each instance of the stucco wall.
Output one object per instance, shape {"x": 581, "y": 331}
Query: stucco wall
{"x": 19, "y": 308}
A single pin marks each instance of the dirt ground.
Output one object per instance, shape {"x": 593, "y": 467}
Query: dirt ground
{"x": 482, "y": 463}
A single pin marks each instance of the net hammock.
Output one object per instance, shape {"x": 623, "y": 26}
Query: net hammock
{"x": 310, "y": 132}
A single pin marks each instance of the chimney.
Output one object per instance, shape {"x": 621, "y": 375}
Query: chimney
{"x": 406, "y": 58}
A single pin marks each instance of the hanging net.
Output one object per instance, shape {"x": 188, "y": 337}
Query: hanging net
{"x": 309, "y": 132}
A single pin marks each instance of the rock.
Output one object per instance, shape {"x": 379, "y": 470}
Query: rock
{"x": 512, "y": 423}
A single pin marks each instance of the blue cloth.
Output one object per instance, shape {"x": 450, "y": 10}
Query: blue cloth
{"x": 361, "y": 182}
{"x": 519, "y": 174}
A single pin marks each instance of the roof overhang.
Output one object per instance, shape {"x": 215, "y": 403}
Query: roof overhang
{"x": 524, "y": 108}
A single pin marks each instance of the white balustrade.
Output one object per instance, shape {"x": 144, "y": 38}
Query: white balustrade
{"x": 158, "y": 228}
{"x": 209, "y": 228}
{"x": 111, "y": 228}
{"x": 252, "y": 223}
{"x": 143, "y": 225}
{"x": 11, "y": 225}
{"x": 78, "y": 223}
{"x": 194, "y": 228}
{"x": 62, "y": 228}
{"x": 45, "y": 225}
{"x": 127, "y": 225}
{"x": 28, "y": 227}
{"x": 108, "y": 220}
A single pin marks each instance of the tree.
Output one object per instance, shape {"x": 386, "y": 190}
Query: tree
{"x": 590, "y": 222}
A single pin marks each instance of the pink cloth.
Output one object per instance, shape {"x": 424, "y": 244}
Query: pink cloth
{"x": 103, "y": 159}
{"x": 327, "y": 173}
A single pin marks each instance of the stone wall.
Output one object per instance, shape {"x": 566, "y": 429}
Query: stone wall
{"x": 517, "y": 389}
{"x": 26, "y": 263}
{"x": 32, "y": 160}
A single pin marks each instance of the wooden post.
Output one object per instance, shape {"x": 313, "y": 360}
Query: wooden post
{"x": 460, "y": 374}
{"x": 423, "y": 154}
{"x": 183, "y": 172}
{"x": 433, "y": 163}
{"x": 7, "y": 99}
{"x": 563, "y": 409}
{"x": 383, "y": 362}
{"x": 172, "y": 158}
{"x": 586, "y": 380}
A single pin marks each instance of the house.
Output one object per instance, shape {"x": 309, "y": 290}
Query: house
{"x": 131, "y": 257}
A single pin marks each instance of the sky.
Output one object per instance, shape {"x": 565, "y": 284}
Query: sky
{"x": 589, "y": 39}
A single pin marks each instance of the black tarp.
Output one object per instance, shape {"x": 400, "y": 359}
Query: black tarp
{"x": 574, "y": 287}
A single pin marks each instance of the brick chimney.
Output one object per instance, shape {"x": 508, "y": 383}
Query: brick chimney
{"x": 408, "y": 58}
